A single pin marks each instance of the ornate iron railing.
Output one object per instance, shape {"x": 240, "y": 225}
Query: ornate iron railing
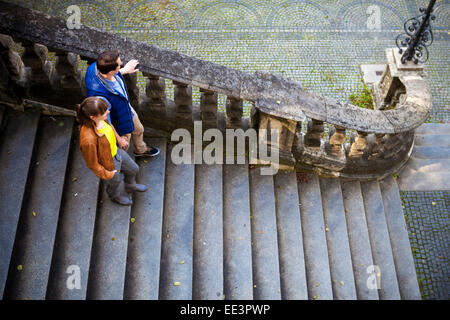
{"x": 417, "y": 37}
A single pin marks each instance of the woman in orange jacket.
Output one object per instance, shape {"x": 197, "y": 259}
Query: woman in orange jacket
{"x": 98, "y": 144}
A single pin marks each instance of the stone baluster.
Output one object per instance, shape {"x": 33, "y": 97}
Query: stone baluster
{"x": 155, "y": 101}
{"x": 66, "y": 67}
{"x": 35, "y": 56}
{"x": 234, "y": 112}
{"x": 133, "y": 89}
{"x": 13, "y": 75}
{"x": 359, "y": 146}
{"x": 153, "y": 108}
{"x": 11, "y": 58}
{"x": 314, "y": 133}
{"x": 285, "y": 134}
{"x": 208, "y": 108}
{"x": 336, "y": 142}
{"x": 183, "y": 104}
{"x": 377, "y": 146}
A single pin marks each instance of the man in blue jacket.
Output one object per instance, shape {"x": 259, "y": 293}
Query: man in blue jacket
{"x": 104, "y": 79}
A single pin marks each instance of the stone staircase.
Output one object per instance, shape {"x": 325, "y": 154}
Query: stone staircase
{"x": 200, "y": 232}
{"x": 428, "y": 168}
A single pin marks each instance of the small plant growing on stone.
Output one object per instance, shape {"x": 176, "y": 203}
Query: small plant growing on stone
{"x": 362, "y": 99}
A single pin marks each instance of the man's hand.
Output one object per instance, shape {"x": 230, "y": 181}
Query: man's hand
{"x": 122, "y": 142}
{"x": 130, "y": 67}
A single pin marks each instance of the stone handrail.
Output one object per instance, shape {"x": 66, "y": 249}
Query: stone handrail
{"x": 284, "y": 101}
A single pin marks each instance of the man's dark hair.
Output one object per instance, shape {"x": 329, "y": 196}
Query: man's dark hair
{"x": 107, "y": 61}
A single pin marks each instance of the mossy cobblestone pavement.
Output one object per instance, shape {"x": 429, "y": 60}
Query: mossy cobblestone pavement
{"x": 322, "y": 44}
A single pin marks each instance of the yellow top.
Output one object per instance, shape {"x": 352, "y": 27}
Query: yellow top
{"x": 109, "y": 133}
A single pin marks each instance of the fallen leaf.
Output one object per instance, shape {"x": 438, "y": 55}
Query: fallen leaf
{"x": 132, "y": 220}
{"x": 34, "y": 214}
{"x": 342, "y": 283}
{"x": 177, "y": 283}
{"x": 74, "y": 179}
{"x": 317, "y": 285}
{"x": 433, "y": 203}
{"x": 182, "y": 262}
{"x": 113, "y": 238}
{"x": 326, "y": 229}
{"x": 315, "y": 297}
{"x": 19, "y": 267}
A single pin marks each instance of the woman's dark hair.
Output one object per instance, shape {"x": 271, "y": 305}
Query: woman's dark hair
{"x": 107, "y": 61}
{"x": 91, "y": 106}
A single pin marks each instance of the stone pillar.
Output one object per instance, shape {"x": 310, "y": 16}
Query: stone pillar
{"x": 389, "y": 89}
{"x": 208, "y": 108}
{"x": 336, "y": 142}
{"x": 314, "y": 134}
{"x": 286, "y": 129}
{"x": 183, "y": 105}
{"x": 133, "y": 90}
{"x": 66, "y": 67}
{"x": 12, "y": 72}
{"x": 234, "y": 112}
{"x": 35, "y": 56}
{"x": 11, "y": 58}
{"x": 359, "y": 146}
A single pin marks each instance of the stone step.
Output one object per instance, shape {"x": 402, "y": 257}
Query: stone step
{"x": 358, "y": 237}
{"x": 433, "y": 128}
{"x": 401, "y": 248}
{"x": 109, "y": 248}
{"x": 431, "y": 152}
{"x": 442, "y": 140}
{"x": 177, "y": 234}
{"x": 341, "y": 269}
{"x": 383, "y": 273}
{"x": 72, "y": 253}
{"x": 425, "y": 175}
{"x": 314, "y": 239}
{"x": 16, "y": 149}
{"x": 266, "y": 280}
{"x": 144, "y": 243}
{"x": 208, "y": 233}
{"x": 33, "y": 247}
{"x": 290, "y": 237}
{"x": 428, "y": 165}
{"x": 410, "y": 180}
{"x": 238, "y": 275}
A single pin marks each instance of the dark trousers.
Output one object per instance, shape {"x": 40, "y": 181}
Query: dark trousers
{"x": 125, "y": 165}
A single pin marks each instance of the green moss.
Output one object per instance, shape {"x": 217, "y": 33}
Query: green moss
{"x": 362, "y": 98}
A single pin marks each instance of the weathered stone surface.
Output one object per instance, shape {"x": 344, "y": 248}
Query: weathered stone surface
{"x": 88, "y": 42}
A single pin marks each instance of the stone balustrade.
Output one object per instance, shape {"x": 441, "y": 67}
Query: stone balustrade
{"x": 339, "y": 139}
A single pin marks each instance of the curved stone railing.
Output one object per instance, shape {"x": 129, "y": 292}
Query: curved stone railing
{"x": 380, "y": 141}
